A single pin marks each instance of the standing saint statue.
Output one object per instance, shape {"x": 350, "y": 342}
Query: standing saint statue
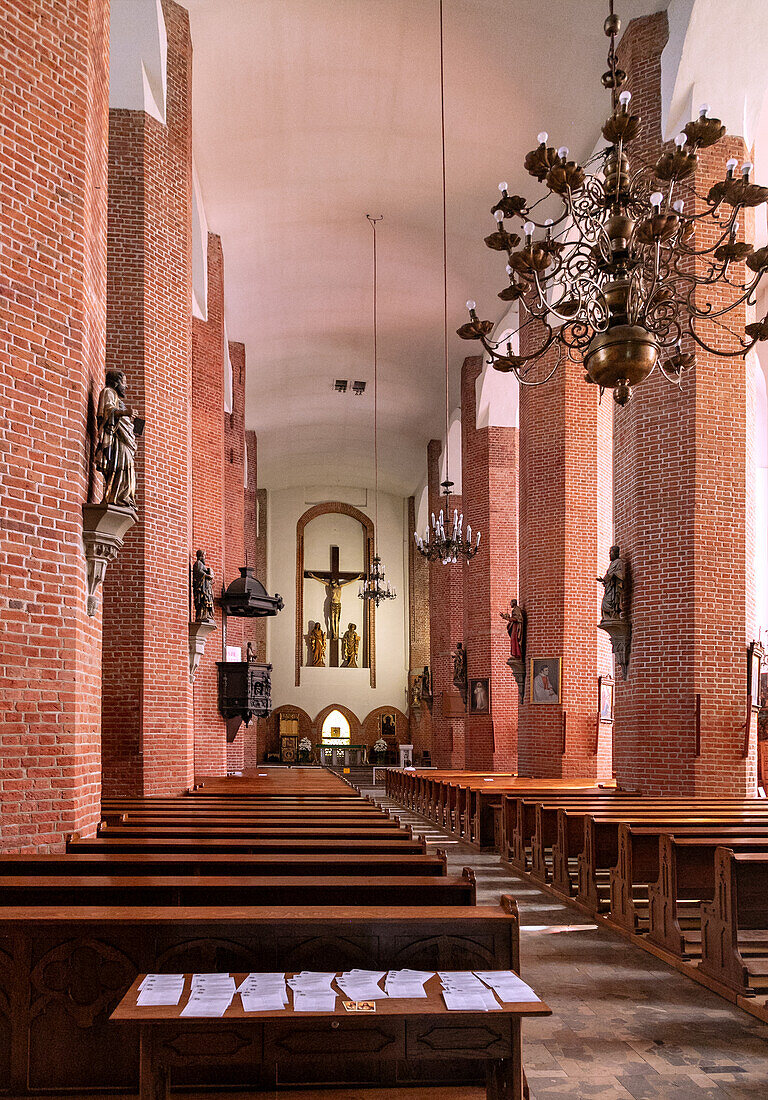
{"x": 515, "y": 628}
{"x": 116, "y": 443}
{"x": 350, "y": 645}
{"x": 616, "y": 582}
{"x": 317, "y": 645}
{"x": 460, "y": 665}
{"x": 202, "y": 589}
{"x": 333, "y": 591}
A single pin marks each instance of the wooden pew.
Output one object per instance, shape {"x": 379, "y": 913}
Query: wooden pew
{"x": 315, "y": 831}
{"x": 196, "y": 890}
{"x": 734, "y": 925}
{"x": 686, "y": 878}
{"x": 262, "y": 845}
{"x": 638, "y": 866}
{"x": 55, "y": 1044}
{"x": 601, "y": 832}
{"x": 151, "y": 863}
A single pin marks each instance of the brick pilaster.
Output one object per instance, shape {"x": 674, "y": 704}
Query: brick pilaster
{"x": 681, "y": 519}
{"x": 54, "y": 72}
{"x": 489, "y": 482}
{"x": 147, "y": 711}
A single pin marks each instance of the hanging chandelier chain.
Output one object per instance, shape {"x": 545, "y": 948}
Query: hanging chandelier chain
{"x": 445, "y": 237}
{"x": 376, "y": 588}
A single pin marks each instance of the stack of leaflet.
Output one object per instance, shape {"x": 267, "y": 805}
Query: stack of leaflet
{"x": 464, "y": 992}
{"x": 263, "y": 993}
{"x": 160, "y": 989}
{"x": 407, "y": 983}
{"x": 507, "y": 985}
{"x": 312, "y": 992}
{"x": 211, "y": 995}
{"x": 362, "y": 985}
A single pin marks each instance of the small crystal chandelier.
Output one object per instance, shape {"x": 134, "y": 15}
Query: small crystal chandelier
{"x": 375, "y": 586}
{"x": 442, "y": 546}
{"x": 615, "y": 269}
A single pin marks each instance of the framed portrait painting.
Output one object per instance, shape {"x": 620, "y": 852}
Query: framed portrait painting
{"x": 388, "y": 725}
{"x": 605, "y": 698}
{"x": 545, "y": 676}
{"x": 480, "y": 696}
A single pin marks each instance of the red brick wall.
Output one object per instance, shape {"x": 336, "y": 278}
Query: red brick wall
{"x": 420, "y": 717}
{"x": 558, "y": 567}
{"x": 255, "y": 542}
{"x": 446, "y": 590}
{"x": 239, "y": 631}
{"x": 53, "y": 171}
{"x": 681, "y": 501}
{"x": 489, "y": 482}
{"x": 147, "y": 717}
{"x": 208, "y": 502}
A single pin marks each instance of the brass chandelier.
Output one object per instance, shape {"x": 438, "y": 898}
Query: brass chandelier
{"x": 612, "y": 281}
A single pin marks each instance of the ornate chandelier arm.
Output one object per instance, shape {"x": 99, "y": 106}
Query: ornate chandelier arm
{"x": 706, "y": 312}
{"x": 746, "y": 345}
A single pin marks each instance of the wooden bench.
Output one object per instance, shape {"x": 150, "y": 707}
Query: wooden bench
{"x": 686, "y": 878}
{"x": 274, "y": 1043}
{"x": 734, "y": 925}
{"x": 55, "y": 1043}
{"x": 152, "y": 863}
{"x": 262, "y": 845}
{"x": 204, "y": 831}
{"x": 196, "y": 890}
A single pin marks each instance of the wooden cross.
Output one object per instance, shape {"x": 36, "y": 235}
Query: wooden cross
{"x": 334, "y": 574}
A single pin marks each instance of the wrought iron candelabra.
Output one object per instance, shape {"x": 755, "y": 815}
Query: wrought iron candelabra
{"x": 442, "y": 546}
{"x": 615, "y": 279}
{"x": 375, "y": 586}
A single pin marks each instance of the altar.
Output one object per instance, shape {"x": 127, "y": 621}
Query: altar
{"x": 334, "y": 755}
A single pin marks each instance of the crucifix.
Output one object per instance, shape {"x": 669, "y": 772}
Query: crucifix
{"x": 334, "y": 580}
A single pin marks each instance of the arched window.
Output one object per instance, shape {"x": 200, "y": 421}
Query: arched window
{"x": 335, "y": 729}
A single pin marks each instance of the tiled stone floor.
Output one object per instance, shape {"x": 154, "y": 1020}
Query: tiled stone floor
{"x": 624, "y": 1024}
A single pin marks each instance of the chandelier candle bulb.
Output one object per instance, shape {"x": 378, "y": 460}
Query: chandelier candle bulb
{"x": 624, "y": 99}
{"x": 543, "y": 137}
{"x": 499, "y": 216}
{"x": 680, "y": 141}
{"x": 703, "y": 110}
{"x": 730, "y": 167}
{"x": 503, "y": 187}
{"x": 746, "y": 168}
{"x": 563, "y": 152}
{"x": 678, "y": 206}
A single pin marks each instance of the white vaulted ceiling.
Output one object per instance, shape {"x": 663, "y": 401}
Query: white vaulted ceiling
{"x": 308, "y": 114}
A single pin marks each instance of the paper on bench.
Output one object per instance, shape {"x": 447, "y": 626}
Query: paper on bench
{"x": 461, "y": 988}
{"x": 407, "y": 983}
{"x": 201, "y": 1004}
{"x": 314, "y": 1001}
{"x": 266, "y": 1001}
{"x": 508, "y": 986}
{"x": 467, "y": 1002}
{"x": 160, "y": 989}
{"x": 362, "y": 985}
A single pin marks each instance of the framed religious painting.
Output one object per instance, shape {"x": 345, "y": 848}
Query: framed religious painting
{"x": 480, "y": 696}
{"x": 388, "y": 725}
{"x": 605, "y": 698}
{"x": 544, "y": 676}
{"x": 754, "y": 663}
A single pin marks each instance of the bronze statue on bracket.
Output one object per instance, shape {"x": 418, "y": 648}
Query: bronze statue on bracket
{"x": 617, "y": 585}
{"x": 460, "y": 670}
{"x": 202, "y": 589}
{"x": 116, "y": 442}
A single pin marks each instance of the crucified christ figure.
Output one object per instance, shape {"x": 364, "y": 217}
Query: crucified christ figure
{"x": 333, "y": 591}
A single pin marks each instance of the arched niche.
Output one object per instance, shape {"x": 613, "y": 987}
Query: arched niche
{"x": 367, "y": 627}
{"x": 336, "y": 727}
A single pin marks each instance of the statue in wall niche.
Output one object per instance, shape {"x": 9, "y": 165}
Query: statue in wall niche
{"x": 317, "y": 645}
{"x": 426, "y": 683}
{"x": 616, "y": 583}
{"x": 416, "y": 692}
{"x": 333, "y": 589}
{"x": 516, "y": 629}
{"x": 116, "y": 442}
{"x": 350, "y": 644}
{"x": 250, "y": 655}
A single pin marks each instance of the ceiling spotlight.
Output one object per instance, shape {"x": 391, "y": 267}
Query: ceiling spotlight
{"x": 340, "y": 385}
{"x": 358, "y": 388}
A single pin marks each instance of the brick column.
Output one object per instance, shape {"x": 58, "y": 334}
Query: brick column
{"x": 419, "y": 717}
{"x": 489, "y": 482}
{"x": 558, "y": 566}
{"x": 446, "y": 595}
{"x": 681, "y": 519}
{"x": 239, "y": 631}
{"x": 208, "y": 503}
{"x": 147, "y": 712}
{"x": 53, "y": 176}
{"x": 255, "y": 542}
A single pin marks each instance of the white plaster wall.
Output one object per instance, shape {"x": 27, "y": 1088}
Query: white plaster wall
{"x": 138, "y": 48}
{"x": 349, "y": 687}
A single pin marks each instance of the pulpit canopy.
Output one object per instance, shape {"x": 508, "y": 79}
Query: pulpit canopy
{"x": 248, "y": 598}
